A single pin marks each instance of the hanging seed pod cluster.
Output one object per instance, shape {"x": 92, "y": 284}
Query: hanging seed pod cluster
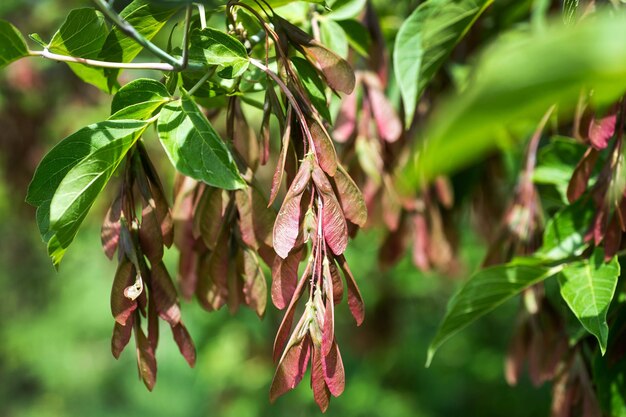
{"x": 286, "y": 139}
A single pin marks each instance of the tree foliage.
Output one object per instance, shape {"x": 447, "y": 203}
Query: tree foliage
{"x": 406, "y": 139}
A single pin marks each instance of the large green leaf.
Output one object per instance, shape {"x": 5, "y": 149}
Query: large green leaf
{"x": 194, "y": 147}
{"x": 72, "y": 174}
{"x": 213, "y": 47}
{"x": 486, "y": 290}
{"x": 82, "y": 35}
{"x": 425, "y": 40}
{"x": 139, "y": 99}
{"x": 148, "y": 18}
{"x": 588, "y": 286}
{"x": 12, "y": 44}
{"x": 514, "y": 83}
{"x": 565, "y": 232}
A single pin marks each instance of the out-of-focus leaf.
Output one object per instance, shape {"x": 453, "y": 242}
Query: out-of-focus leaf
{"x": 358, "y": 37}
{"x": 486, "y": 290}
{"x": 509, "y": 95}
{"x": 564, "y": 235}
{"x": 139, "y": 99}
{"x": 345, "y": 9}
{"x": 313, "y": 85}
{"x": 71, "y": 176}
{"x": 333, "y": 36}
{"x": 12, "y": 44}
{"x": 555, "y": 163}
{"x": 587, "y": 286}
{"x": 425, "y": 40}
{"x": 194, "y": 147}
{"x": 214, "y": 47}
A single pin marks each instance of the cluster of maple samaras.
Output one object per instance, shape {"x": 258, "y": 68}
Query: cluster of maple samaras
{"x": 604, "y": 157}
{"x": 374, "y": 145}
{"x": 142, "y": 287}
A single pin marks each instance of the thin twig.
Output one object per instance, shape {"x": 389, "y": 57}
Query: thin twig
{"x": 131, "y": 32}
{"x": 290, "y": 97}
{"x": 185, "y": 58}
{"x": 161, "y": 66}
{"x": 201, "y": 81}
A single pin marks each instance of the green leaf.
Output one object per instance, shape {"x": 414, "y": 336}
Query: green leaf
{"x": 148, "y": 19}
{"x": 12, "y": 44}
{"x": 345, "y": 9}
{"x": 556, "y": 162}
{"x": 214, "y": 47}
{"x": 313, "y": 85}
{"x": 588, "y": 287}
{"x": 564, "y": 235}
{"x": 139, "y": 99}
{"x": 358, "y": 36}
{"x": 194, "y": 147}
{"x": 609, "y": 374}
{"x": 72, "y": 174}
{"x": 333, "y": 37}
{"x": 486, "y": 290}
{"x": 82, "y": 35}
{"x": 514, "y": 84}
{"x": 425, "y": 40}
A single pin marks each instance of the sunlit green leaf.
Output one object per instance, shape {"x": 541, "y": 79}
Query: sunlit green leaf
{"x": 12, "y": 44}
{"x": 214, "y": 47}
{"x": 139, "y": 99}
{"x": 486, "y": 290}
{"x": 564, "y": 235}
{"x": 514, "y": 84}
{"x": 70, "y": 177}
{"x": 194, "y": 147}
{"x": 148, "y": 18}
{"x": 82, "y": 35}
{"x": 425, "y": 40}
{"x": 587, "y": 286}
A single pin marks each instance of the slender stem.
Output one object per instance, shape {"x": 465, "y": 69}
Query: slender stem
{"x": 202, "y": 14}
{"x": 202, "y": 80}
{"x": 290, "y": 97}
{"x": 161, "y": 66}
{"x": 130, "y": 31}
{"x": 534, "y": 142}
{"x": 185, "y": 58}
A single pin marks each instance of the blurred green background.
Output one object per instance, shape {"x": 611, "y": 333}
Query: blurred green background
{"x": 55, "y": 328}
